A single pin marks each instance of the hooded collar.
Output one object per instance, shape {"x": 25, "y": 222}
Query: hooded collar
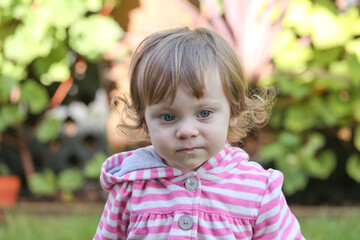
{"x": 145, "y": 164}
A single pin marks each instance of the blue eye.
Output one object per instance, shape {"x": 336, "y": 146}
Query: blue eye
{"x": 204, "y": 113}
{"x": 167, "y": 117}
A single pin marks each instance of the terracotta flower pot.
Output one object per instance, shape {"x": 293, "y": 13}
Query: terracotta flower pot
{"x": 9, "y": 190}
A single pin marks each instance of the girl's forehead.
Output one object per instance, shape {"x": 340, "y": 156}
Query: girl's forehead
{"x": 211, "y": 86}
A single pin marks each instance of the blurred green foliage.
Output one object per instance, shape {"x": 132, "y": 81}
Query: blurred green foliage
{"x": 317, "y": 61}
{"x": 66, "y": 182}
{"x": 39, "y": 43}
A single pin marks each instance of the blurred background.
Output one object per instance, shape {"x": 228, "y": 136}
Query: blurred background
{"x": 61, "y": 63}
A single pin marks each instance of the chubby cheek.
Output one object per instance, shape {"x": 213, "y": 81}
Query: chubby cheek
{"x": 160, "y": 140}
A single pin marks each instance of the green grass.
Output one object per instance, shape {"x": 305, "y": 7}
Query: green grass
{"x": 54, "y": 227}
{"x": 327, "y": 227}
{"x": 82, "y": 226}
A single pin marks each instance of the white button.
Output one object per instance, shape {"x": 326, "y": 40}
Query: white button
{"x": 186, "y": 222}
{"x": 192, "y": 183}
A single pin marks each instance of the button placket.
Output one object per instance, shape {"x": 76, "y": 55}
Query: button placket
{"x": 191, "y": 183}
{"x": 186, "y": 222}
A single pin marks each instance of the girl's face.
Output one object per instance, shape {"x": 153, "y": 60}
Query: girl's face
{"x": 189, "y": 131}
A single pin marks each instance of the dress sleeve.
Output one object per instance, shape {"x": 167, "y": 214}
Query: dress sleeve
{"x": 116, "y": 215}
{"x": 275, "y": 220}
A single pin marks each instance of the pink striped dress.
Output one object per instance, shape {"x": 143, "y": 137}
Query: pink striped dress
{"x": 228, "y": 197}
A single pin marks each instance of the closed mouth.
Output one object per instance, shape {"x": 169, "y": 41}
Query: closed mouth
{"x": 190, "y": 150}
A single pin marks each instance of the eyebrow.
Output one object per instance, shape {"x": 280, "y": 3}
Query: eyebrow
{"x": 209, "y": 102}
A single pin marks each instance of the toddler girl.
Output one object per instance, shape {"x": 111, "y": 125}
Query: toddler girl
{"x": 188, "y": 95}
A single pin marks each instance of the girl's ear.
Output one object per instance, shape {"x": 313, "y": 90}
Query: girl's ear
{"x": 233, "y": 121}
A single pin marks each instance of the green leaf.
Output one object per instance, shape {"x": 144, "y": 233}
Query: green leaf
{"x": 298, "y": 15}
{"x": 351, "y": 20}
{"x": 57, "y": 56}
{"x": 288, "y": 54}
{"x": 13, "y": 71}
{"x": 289, "y": 139}
{"x": 340, "y": 107}
{"x": 10, "y": 115}
{"x": 356, "y": 107}
{"x": 295, "y": 178}
{"x": 354, "y": 69}
{"x": 286, "y": 87}
{"x": 70, "y": 179}
{"x": 324, "y": 114}
{"x": 43, "y": 183}
{"x": 48, "y": 129}
{"x": 273, "y": 151}
{"x": 93, "y": 166}
{"x": 357, "y": 137}
{"x": 315, "y": 142}
{"x": 6, "y": 85}
{"x": 353, "y": 167}
{"x": 324, "y": 57}
{"x": 29, "y": 41}
{"x": 58, "y": 72}
{"x": 93, "y": 35}
{"x": 353, "y": 47}
{"x": 299, "y": 118}
{"x": 321, "y": 166}
{"x": 94, "y": 5}
{"x": 35, "y": 95}
{"x": 62, "y": 14}
{"x": 324, "y": 36}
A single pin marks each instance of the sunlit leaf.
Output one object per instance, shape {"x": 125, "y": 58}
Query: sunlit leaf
{"x": 67, "y": 11}
{"x": 351, "y": 20}
{"x": 14, "y": 71}
{"x": 27, "y": 43}
{"x": 298, "y": 16}
{"x": 58, "y": 72}
{"x": 5, "y": 3}
{"x": 288, "y": 54}
{"x": 94, "y": 5}
{"x": 324, "y": 36}
{"x": 93, "y": 35}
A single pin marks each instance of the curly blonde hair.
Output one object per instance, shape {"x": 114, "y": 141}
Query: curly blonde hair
{"x": 165, "y": 60}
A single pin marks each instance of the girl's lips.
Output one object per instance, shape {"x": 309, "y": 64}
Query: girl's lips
{"x": 187, "y": 151}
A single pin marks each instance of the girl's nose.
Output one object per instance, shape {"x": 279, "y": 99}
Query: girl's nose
{"x": 187, "y": 130}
